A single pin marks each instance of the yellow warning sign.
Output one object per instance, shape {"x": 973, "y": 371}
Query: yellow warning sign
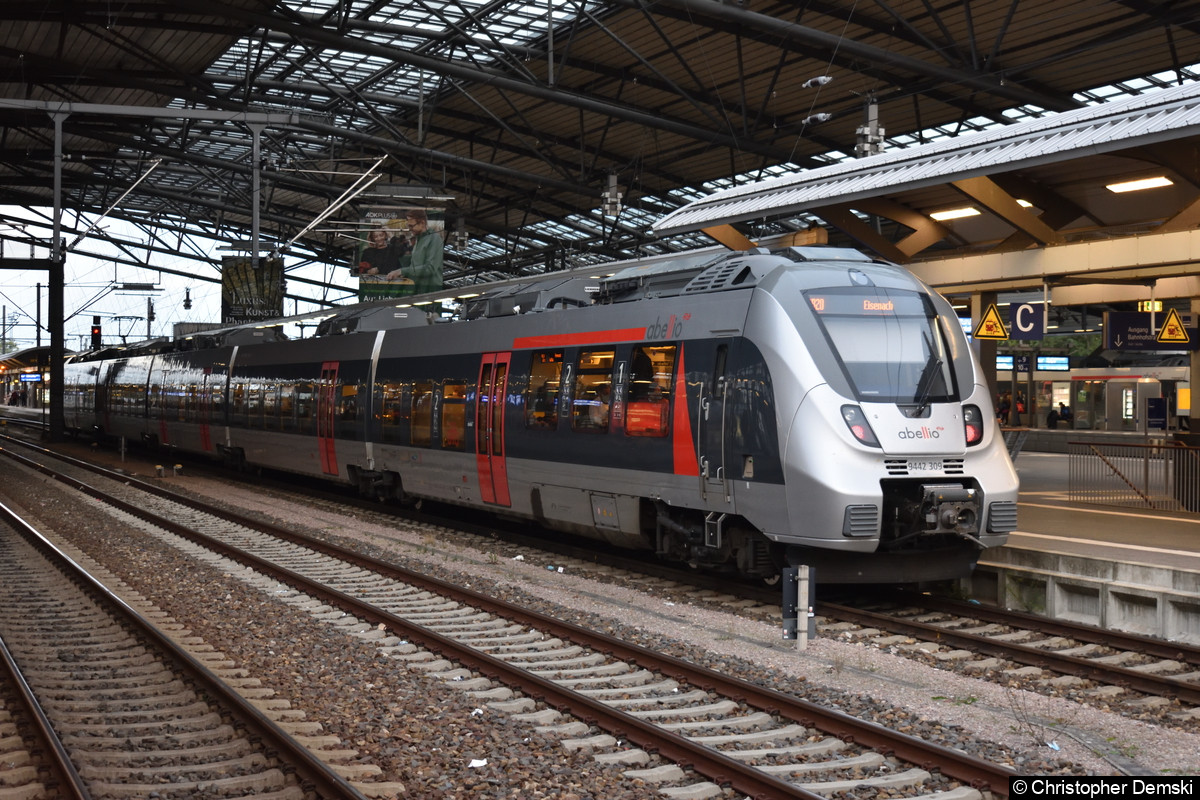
{"x": 1172, "y": 330}
{"x": 991, "y": 326}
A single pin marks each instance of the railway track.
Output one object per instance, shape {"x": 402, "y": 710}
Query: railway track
{"x": 1106, "y": 662}
{"x": 631, "y": 706}
{"x": 35, "y": 762}
{"x": 138, "y": 715}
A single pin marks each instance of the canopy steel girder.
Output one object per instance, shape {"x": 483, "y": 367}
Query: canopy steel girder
{"x": 903, "y": 87}
{"x": 794, "y": 34}
{"x": 289, "y": 120}
{"x": 501, "y": 81}
{"x": 708, "y": 107}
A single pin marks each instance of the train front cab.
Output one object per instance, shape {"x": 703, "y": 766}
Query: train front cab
{"x": 895, "y": 468}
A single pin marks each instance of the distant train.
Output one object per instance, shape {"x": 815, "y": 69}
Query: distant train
{"x": 743, "y": 412}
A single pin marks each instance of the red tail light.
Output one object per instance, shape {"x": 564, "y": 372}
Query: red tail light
{"x": 973, "y": 425}
{"x": 856, "y": 421}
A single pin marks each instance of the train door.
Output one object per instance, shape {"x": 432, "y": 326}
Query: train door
{"x": 489, "y": 428}
{"x": 326, "y": 408}
{"x": 711, "y": 425}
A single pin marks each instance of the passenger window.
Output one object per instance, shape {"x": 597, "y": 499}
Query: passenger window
{"x": 192, "y": 403}
{"x": 239, "y": 404}
{"x": 287, "y": 406}
{"x": 454, "y": 415}
{"x": 545, "y": 383}
{"x": 348, "y": 404}
{"x": 422, "y": 414}
{"x": 391, "y": 413}
{"x": 304, "y": 407}
{"x": 254, "y": 406}
{"x": 155, "y": 401}
{"x": 591, "y": 405}
{"x": 270, "y": 406}
{"x": 648, "y": 399}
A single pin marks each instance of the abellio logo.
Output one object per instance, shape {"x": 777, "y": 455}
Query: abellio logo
{"x": 921, "y": 433}
{"x": 671, "y": 329}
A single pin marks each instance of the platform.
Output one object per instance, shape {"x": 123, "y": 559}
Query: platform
{"x": 1131, "y": 570}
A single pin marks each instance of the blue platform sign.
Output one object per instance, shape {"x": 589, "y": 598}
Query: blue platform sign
{"x": 1130, "y": 330}
{"x": 1026, "y": 321}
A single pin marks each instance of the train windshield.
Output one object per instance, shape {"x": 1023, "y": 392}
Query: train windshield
{"x": 888, "y": 342}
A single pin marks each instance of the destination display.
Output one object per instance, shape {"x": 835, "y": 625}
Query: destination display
{"x": 856, "y": 302}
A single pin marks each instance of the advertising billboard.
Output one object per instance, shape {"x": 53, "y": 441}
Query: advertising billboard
{"x": 400, "y": 252}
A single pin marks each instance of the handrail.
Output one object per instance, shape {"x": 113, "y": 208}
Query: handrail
{"x": 1163, "y": 475}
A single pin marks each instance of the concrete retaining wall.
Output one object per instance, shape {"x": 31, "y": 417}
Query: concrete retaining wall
{"x": 1137, "y": 598}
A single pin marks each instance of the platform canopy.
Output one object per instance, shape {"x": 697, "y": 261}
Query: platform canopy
{"x": 1063, "y": 177}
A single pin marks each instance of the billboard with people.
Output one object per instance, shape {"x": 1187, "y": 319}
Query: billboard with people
{"x": 400, "y": 252}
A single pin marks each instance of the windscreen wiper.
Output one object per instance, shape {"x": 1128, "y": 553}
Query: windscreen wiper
{"x": 925, "y": 383}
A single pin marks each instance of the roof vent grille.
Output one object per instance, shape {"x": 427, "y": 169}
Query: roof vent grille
{"x": 726, "y": 275}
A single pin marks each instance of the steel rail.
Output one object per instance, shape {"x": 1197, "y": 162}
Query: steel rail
{"x": 1025, "y": 654}
{"x": 66, "y": 778}
{"x": 1147, "y": 645}
{"x": 979, "y": 773}
{"x": 310, "y": 768}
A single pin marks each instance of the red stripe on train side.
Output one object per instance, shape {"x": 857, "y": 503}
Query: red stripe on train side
{"x": 570, "y": 339}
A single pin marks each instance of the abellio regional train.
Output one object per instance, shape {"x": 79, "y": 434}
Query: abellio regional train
{"x": 743, "y": 411}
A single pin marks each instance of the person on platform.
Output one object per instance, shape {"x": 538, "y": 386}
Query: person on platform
{"x": 424, "y": 264}
{"x": 1064, "y": 413}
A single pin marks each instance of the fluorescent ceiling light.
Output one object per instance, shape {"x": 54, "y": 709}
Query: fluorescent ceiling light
{"x": 1138, "y": 185}
{"x": 955, "y": 213}
{"x": 1024, "y": 204}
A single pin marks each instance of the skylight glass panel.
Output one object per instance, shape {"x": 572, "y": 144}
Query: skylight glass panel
{"x": 637, "y": 216}
{"x": 587, "y": 223}
{"x": 314, "y": 6}
{"x": 1136, "y": 85}
{"x": 1022, "y": 113}
{"x": 489, "y": 245}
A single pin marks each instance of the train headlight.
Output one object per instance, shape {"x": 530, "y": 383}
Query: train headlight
{"x": 856, "y": 421}
{"x": 973, "y": 425}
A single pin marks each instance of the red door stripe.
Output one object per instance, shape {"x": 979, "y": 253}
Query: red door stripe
{"x": 683, "y": 444}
